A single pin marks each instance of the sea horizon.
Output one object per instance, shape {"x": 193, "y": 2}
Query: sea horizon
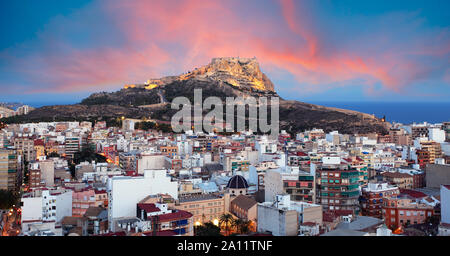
{"x": 400, "y": 112}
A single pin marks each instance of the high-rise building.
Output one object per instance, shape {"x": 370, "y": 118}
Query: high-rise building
{"x": 34, "y": 175}
{"x": 338, "y": 188}
{"x": 72, "y": 145}
{"x": 433, "y": 148}
{"x": 419, "y": 131}
{"x": 25, "y": 146}
{"x": 298, "y": 184}
{"x": 372, "y": 198}
{"x": 446, "y": 128}
{"x": 9, "y": 173}
{"x": 47, "y": 168}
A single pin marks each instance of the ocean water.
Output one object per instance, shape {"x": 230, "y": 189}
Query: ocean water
{"x": 403, "y": 112}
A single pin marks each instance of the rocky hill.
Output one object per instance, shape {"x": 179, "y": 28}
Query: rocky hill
{"x": 223, "y": 77}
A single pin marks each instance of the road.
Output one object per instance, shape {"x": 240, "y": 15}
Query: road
{"x": 10, "y": 223}
{"x": 161, "y": 96}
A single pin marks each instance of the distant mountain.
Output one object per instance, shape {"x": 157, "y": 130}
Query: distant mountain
{"x": 223, "y": 77}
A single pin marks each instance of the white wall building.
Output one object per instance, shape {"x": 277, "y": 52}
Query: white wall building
{"x": 444, "y": 227}
{"x": 436, "y": 134}
{"x": 264, "y": 145}
{"x": 46, "y": 205}
{"x": 150, "y": 162}
{"x": 284, "y": 217}
{"x": 126, "y": 192}
{"x": 47, "y": 168}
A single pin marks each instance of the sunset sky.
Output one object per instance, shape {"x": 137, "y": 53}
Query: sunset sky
{"x": 61, "y": 51}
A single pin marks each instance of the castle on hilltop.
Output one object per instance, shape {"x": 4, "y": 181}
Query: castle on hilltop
{"x": 233, "y": 59}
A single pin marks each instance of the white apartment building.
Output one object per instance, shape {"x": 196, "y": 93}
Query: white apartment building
{"x": 264, "y": 145}
{"x": 45, "y": 206}
{"x": 284, "y": 217}
{"x": 150, "y": 161}
{"x": 444, "y": 227}
{"x": 125, "y": 192}
{"x": 47, "y": 168}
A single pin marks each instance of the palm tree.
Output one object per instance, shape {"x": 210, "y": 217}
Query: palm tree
{"x": 242, "y": 226}
{"x": 226, "y": 219}
{"x": 207, "y": 229}
{"x": 245, "y": 226}
{"x": 237, "y": 223}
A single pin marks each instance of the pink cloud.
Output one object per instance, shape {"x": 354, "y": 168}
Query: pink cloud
{"x": 164, "y": 37}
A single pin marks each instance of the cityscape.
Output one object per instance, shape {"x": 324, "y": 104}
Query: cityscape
{"x": 88, "y": 179}
{"x": 122, "y": 139}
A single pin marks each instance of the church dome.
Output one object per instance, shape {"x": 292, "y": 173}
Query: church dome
{"x": 237, "y": 182}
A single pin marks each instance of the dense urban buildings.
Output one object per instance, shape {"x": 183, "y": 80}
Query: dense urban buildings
{"x": 79, "y": 178}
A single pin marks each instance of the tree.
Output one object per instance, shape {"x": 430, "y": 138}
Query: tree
{"x": 88, "y": 154}
{"x": 226, "y": 219}
{"x": 72, "y": 170}
{"x": 245, "y": 227}
{"x": 7, "y": 199}
{"x": 241, "y": 226}
{"x": 207, "y": 229}
{"x": 53, "y": 154}
{"x": 236, "y": 223}
{"x": 26, "y": 171}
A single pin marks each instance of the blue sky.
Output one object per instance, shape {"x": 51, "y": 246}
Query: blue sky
{"x": 61, "y": 51}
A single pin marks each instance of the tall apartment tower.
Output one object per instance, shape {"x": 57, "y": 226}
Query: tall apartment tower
{"x": 338, "y": 188}
{"x": 9, "y": 174}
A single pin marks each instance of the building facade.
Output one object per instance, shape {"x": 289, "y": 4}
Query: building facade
{"x": 372, "y": 198}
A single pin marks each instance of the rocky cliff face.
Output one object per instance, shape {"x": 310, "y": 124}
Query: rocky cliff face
{"x": 242, "y": 73}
